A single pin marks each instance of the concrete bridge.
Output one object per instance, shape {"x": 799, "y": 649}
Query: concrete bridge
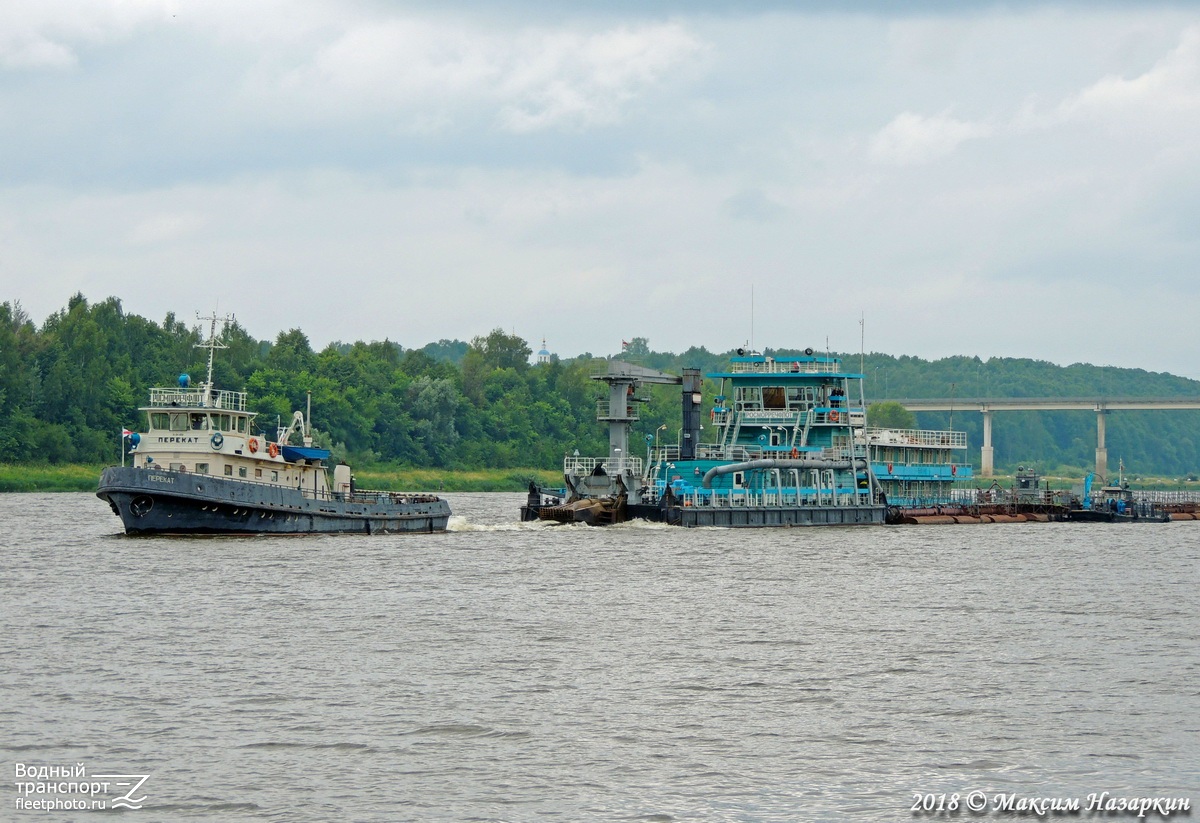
{"x": 1100, "y": 405}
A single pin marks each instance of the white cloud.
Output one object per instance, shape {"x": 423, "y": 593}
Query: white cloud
{"x": 572, "y": 79}
{"x": 753, "y": 204}
{"x": 166, "y": 228}
{"x": 35, "y": 52}
{"x": 1172, "y": 86}
{"x": 48, "y": 35}
{"x": 531, "y": 79}
{"x": 394, "y": 60}
{"x": 911, "y": 139}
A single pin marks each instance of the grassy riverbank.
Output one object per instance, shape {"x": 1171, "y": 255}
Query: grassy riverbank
{"x": 83, "y": 478}
{"x": 32, "y": 478}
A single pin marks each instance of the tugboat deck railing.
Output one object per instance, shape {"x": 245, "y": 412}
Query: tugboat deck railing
{"x": 709, "y": 451}
{"x": 916, "y": 437}
{"x": 788, "y": 367}
{"x": 198, "y": 399}
{"x": 741, "y": 454}
{"x": 623, "y": 411}
{"x": 767, "y": 498}
{"x": 855, "y": 416}
{"x": 580, "y": 466}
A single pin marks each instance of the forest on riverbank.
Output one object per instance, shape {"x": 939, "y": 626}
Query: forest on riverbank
{"x": 70, "y": 384}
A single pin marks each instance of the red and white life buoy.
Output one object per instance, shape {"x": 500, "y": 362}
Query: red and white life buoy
{"x": 273, "y": 449}
{"x": 252, "y": 444}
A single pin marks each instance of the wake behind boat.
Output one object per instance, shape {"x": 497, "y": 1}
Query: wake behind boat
{"x": 201, "y": 468}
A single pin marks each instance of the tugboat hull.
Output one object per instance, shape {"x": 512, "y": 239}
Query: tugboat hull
{"x": 150, "y": 501}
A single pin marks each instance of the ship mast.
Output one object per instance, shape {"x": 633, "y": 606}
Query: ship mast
{"x": 212, "y": 345}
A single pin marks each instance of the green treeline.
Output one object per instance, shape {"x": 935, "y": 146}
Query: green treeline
{"x": 69, "y": 386}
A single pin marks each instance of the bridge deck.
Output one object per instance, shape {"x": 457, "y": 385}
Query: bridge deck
{"x": 1100, "y": 405}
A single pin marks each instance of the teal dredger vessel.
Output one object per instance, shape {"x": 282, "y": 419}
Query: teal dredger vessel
{"x": 784, "y": 447}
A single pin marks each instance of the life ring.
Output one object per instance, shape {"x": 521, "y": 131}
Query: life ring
{"x": 273, "y": 449}
{"x": 834, "y": 417}
{"x": 795, "y": 452}
{"x": 889, "y": 468}
{"x": 253, "y": 445}
{"x": 216, "y": 440}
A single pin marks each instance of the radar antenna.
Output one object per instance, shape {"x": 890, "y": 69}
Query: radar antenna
{"x": 212, "y": 344}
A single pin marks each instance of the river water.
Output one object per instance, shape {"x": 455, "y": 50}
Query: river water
{"x": 509, "y": 672}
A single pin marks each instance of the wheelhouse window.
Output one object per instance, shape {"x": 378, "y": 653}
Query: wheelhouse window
{"x": 198, "y": 422}
{"x": 749, "y": 397}
{"x": 160, "y": 421}
{"x": 800, "y": 396}
{"x": 221, "y": 422}
{"x": 241, "y": 424}
{"x": 773, "y": 397}
{"x": 179, "y": 422}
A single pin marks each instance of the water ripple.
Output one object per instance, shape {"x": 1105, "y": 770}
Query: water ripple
{"x": 512, "y": 672}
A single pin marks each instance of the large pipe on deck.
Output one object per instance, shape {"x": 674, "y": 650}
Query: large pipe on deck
{"x": 773, "y": 463}
{"x": 790, "y": 463}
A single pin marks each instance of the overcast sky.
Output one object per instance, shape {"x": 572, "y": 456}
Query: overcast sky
{"x": 1017, "y": 179}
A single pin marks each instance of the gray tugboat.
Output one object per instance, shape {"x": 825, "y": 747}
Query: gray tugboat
{"x": 200, "y": 468}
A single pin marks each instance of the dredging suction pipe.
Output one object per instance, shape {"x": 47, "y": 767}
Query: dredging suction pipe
{"x": 772, "y": 463}
{"x": 790, "y": 463}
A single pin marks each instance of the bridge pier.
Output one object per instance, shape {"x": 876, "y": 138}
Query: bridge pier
{"x": 986, "y": 467}
{"x": 1101, "y": 448}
